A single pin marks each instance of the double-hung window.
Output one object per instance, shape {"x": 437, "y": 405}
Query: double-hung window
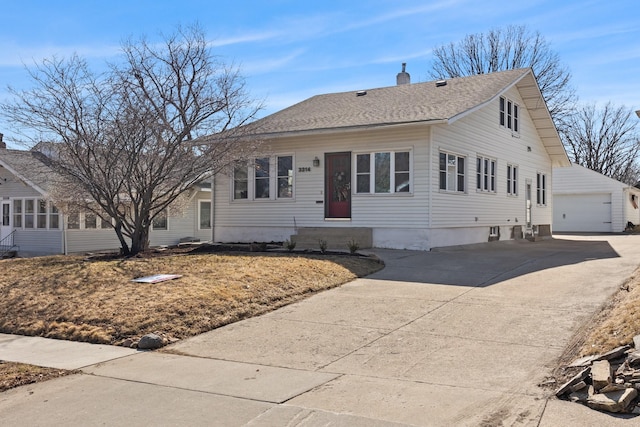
{"x": 264, "y": 178}
{"x": 452, "y": 172}
{"x": 509, "y": 114}
{"x": 541, "y": 189}
{"x": 486, "y": 174}
{"x": 512, "y": 180}
{"x": 383, "y": 172}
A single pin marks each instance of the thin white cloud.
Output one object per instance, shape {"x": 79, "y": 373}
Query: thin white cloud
{"x": 246, "y": 38}
{"x": 261, "y": 66}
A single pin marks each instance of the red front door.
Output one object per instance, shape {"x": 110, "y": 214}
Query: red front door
{"x": 337, "y": 184}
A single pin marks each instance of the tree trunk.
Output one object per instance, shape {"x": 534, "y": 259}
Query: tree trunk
{"x": 124, "y": 248}
{"x": 140, "y": 240}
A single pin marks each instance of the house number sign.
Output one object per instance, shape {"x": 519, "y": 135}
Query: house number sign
{"x": 304, "y": 169}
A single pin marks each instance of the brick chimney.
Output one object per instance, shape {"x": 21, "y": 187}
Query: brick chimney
{"x": 3, "y": 145}
{"x": 403, "y": 78}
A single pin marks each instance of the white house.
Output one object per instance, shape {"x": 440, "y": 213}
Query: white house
{"x": 587, "y": 201}
{"x": 413, "y": 166}
{"x": 34, "y": 226}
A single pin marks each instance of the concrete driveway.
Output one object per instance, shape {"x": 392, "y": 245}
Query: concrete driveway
{"x": 453, "y": 337}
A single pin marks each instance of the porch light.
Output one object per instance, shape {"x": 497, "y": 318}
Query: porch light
{"x": 316, "y": 162}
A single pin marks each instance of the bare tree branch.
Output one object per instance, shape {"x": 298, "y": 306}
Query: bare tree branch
{"x": 605, "y": 140}
{"x": 132, "y": 142}
{"x": 506, "y": 49}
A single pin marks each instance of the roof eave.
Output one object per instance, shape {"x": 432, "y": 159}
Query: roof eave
{"x": 22, "y": 178}
{"x": 325, "y": 131}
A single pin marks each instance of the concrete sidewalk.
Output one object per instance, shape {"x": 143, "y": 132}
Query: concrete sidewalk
{"x": 457, "y": 337}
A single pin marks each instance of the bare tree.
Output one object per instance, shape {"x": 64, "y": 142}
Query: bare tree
{"x": 131, "y": 142}
{"x": 605, "y": 140}
{"x": 508, "y": 49}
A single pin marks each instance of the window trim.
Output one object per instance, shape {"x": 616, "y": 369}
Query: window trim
{"x": 200, "y": 201}
{"x": 486, "y": 174}
{"x": 541, "y": 190}
{"x": 37, "y": 214}
{"x": 166, "y": 218}
{"x": 457, "y": 172}
{"x": 509, "y": 114}
{"x": 372, "y": 172}
{"x": 272, "y": 177}
{"x": 512, "y": 180}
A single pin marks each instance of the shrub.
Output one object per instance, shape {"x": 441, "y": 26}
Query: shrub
{"x": 323, "y": 246}
{"x": 353, "y": 246}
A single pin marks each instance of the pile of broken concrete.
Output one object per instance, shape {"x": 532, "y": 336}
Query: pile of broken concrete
{"x": 607, "y": 382}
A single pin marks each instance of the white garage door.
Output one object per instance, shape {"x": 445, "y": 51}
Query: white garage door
{"x": 582, "y": 212}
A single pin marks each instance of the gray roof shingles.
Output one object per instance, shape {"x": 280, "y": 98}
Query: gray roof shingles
{"x": 29, "y": 166}
{"x": 418, "y": 102}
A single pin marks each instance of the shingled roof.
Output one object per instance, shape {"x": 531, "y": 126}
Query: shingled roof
{"x": 29, "y": 167}
{"x": 429, "y": 102}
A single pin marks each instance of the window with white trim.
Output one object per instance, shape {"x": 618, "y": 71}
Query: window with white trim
{"x": 541, "y": 189}
{"x": 512, "y": 180}
{"x": 452, "y": 172}
{"x": 267, "y": 178}
{"x": 160, "y": 221}
{"x": 38, "y": 214}
{"x": 383, "y": 172}
{"x": 17, "y": 213}
{"x": 285, "y": 176}
{"x": 486, "y": 174}
{"x": 204, "y": 214}
{"x": 509, "y": 114}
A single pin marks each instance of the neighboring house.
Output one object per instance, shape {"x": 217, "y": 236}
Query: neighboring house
{"x": 587, "y": 201}
{"x": 412, "y": 166}
{"x": 39, "y": 228}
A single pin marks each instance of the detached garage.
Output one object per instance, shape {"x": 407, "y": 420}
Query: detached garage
{"x": 587, "y": 201}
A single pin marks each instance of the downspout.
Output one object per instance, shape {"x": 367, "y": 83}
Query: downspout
{"x": 64, "y": 233}
{"x": 430, "y": 180}
{"x": 213, "y": 209}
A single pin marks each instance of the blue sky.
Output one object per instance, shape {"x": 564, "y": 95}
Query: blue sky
{"x": 291, "y": 50}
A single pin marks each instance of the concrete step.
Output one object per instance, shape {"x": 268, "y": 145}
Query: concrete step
{"x": 336, "y": 237}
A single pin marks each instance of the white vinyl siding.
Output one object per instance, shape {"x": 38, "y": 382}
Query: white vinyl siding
{"x": 478, "y": 133}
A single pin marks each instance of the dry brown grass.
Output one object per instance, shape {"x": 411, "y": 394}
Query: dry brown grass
{"x": 16, "y": 374}
{"x": 618, "y": 322}
{"x": 72, "y": 298}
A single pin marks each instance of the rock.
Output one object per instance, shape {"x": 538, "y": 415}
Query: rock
{"x": 633, "y": 360}
{"x": 615, "y": 353}
{"x": 583, "y": 361}
{"x": 127, "y": 343}
{"x": 150, "y": 342}
{"x": 615, "y": 401}
{"x": 636, "y": 342}
{"x": 612, "y": 387}
{"x": 566, "y": 387}
{"x": 600, "y": 374}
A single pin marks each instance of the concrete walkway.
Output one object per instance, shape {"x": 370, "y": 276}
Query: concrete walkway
{"x": 455, "y": 337}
